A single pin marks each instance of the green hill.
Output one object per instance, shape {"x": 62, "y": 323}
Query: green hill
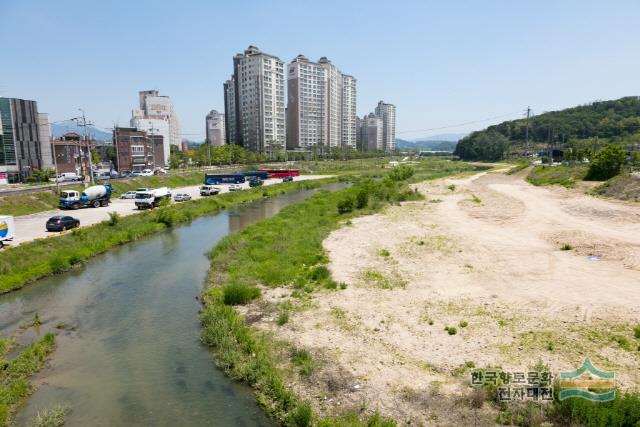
{"x": 592, "y": 125}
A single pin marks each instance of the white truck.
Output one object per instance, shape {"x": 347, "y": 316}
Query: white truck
{"x": 151, "y": 198}
{"x": 94, "y": 196}
{"x": 209, "y": 190}
{"x": 7, "y": 229}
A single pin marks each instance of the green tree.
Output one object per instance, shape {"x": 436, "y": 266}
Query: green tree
{"x": 606, "y": 164}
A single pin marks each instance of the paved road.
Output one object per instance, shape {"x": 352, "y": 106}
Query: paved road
{"x": 29, "y": 227}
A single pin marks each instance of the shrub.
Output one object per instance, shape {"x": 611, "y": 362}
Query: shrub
{"x": 384, "y": 253}
{"x": 463, "y": 324}
{"x": 451, "y": 330}
{"x": 452, "y": 187}
{"x": 401, "y": 173}
{"x": 283, "y": 318}
{"x": 301, "y": 416}
{"x": 58, "y": 264}
{"x": 166, "y": 217}
{"x": 345, "y": 205}
{"x": 636, "y": 332}
{"x": 606, "y": 164}
{"x": 362, "y": 198}
{"x": 319, "y": 273}
{"x": 566, "y": 247}
{"x": 237, "y": 294}
{"x": 114, "y": 218}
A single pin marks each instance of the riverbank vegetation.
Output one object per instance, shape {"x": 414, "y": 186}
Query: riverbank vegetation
{"x": 567, "y": 176}
{"x": 285, "y": 250}
{"x": 42, "y": 257}
{"x": 15, "y": 374}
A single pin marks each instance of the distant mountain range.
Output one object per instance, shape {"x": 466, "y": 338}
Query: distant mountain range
{"x": 59, "y": 129}
{"x": 431, "y": 145}
{"x": 454, "y": 137}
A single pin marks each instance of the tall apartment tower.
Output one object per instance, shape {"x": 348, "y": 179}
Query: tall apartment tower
{"x": 372, "y": 132}
{"x": 157, "y": 116}
{"x": 254, "y": 101}
{"x": 387, "y": 112}
{"x": 25, "y": 139}
{"x": 215, "y": 128}
{"x": 321, "y": 109}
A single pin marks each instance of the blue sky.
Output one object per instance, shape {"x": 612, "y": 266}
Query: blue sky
{"x": 441, "y": 62}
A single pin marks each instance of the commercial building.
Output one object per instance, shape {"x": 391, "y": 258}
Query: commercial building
{"x": 25, "y": 139}
{"x": 372, "y": 132}
{"x": 215, "y": 128}
{"x": 387, "y": 112}
{"x": 157, "y": 116}
{"x": 321, "y": 105}
{"x": 137, "y": 150}
{"x": 71, "y": 153}
{"x": 254, "y": 101}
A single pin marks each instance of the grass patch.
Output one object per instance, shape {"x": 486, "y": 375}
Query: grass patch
{"x": 51, "y": 417}
{"x": 239, "y": 293}
{"x": 475, "y": 199}
{"x": 27, "y": 262}
{"x": 379, "y": 280}
{"x": 15, "y": 375}
{"x": 384, "y": 253}
{"x": 303, "y": 360}
{"x": 567, "y": 176}
{"x": 463, "y": 324}
{"x": 623, "y": 187}
{"x": 566, "y": 247}
{"x": 451, "y": 330}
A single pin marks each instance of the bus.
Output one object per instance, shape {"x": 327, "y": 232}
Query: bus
{"x": 255, "y": 174}
{"x": 281, "y": 173}
{"x": 224, "y": 178}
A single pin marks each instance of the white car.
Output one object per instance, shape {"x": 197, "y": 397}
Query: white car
{"x": 146, "y": 172}
{"x": 235, "y": 187}
{"x": 128, "y": 195}
{"x": 182, "y": 197}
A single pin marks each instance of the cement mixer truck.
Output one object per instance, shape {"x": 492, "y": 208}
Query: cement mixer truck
{"x": 94, "y": 196}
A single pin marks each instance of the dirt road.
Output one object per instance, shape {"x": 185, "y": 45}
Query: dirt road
{"x": 484, "y": 255}
{"x": 29, "y": 227}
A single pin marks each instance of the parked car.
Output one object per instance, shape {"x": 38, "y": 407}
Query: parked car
{"x": 62, "y": 223}
{"x": 182, "y": 197}
{"x": 128, "y": 195}
{"x": 255, "y": 182}
{"x": 287, "y": 179}
{"x": 235, "y": 187}
{"x": 209, "y": 190}
{"x": 146, "y": 172}
{"x": 160, "y": 171}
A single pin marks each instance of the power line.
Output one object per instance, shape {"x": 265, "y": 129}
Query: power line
{"x": 462, "y": 124}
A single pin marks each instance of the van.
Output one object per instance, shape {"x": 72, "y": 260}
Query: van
{"x": 68, "y": 176}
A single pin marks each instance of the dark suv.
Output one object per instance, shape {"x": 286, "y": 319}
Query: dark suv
{"x": 61, "y": 223}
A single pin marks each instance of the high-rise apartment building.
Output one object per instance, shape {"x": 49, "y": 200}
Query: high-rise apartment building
{"x": 216, "y": 135}
{"x": 372, "y": 132}
{"x": 254, "y": 101}
{"x": 157, "y": 116}
{"x": 321, "y": 109}
{"x": 387, "y": 112}
{"x": 25, "y": 139}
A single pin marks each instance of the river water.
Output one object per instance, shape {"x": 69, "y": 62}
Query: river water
{"x": 130, "y": 353}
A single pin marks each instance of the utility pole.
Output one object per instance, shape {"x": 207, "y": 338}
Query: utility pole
{"x": 527, "y": 130}
{"x": 84, "y": 125}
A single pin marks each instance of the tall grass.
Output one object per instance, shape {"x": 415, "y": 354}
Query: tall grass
{"x": 15, "y": 374}
{"x": 30, "y": 261}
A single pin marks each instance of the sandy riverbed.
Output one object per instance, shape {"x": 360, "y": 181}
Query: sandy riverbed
{"x": 488, "y": 253}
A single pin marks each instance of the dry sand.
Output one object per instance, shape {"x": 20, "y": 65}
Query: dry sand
{"x": 489, "y": 253}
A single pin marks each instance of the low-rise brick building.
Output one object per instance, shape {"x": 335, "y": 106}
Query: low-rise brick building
{"x": 136, "y": 150}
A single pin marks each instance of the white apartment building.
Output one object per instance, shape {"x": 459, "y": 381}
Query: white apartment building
{"x": 215, "y": 129}
{"x": 258, "y": 90}
{"x": 230, "y": 118}
{"x": 321, "y": 109}
{"x": 387, "y": 112}
{"x": 157, "y": 116}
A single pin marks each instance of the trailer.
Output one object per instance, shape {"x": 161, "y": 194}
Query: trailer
{"x": 7, "y": 229}
{"x": 281, "y": 173}
{"x": 95, "y": 196}
{"x": 224, "y": 178}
